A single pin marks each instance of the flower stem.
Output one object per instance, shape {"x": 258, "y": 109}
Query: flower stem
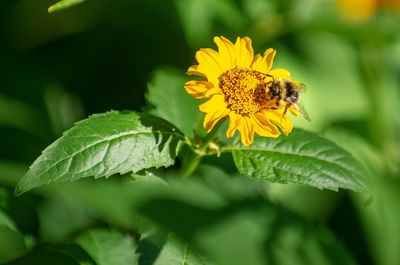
{"x": 190, "y": 164}
{"x": 193, "y": 159}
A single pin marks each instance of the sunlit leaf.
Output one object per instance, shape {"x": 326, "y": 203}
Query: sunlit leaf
{"x": 108, "y": 247}
{"x": 103, "y": 145}
{"x": 301, "y": 158}
{"x": 64, "y": 4}
{"x": 170, "y": 101}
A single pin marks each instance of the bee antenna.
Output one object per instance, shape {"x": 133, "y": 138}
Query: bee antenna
{"x": 272, "y": 77}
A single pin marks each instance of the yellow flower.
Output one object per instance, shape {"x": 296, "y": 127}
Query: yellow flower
{"x": 359, "y": 11}
{"x": 237, "y": 86}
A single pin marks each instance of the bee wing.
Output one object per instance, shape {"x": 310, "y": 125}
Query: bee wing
{"x": 302, "y": 110}
{"x": 302, "y": 87}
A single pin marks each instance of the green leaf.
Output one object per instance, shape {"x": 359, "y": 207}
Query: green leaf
{"x": 167, "y": 95}
{"x": 60, "y": 218}
{"x": 23, "y": 117}
{"x": 93, "y": 197}
{"x": 64, "y": 4}
{"x": 300, "y": 158}
{"x": 246, "y": 229}
{"x": 108, "y": 247}
{"x": 175, "y": 252}
{"x": 193, "y": 13}
{"x": 11, "y": 172}
{"x": 12, "y": 243}
{"x": 380, "y": 219}
{"x": 6, "y": 221}
{"x": 103, "y": 145}
{"x": 45, "y": 256}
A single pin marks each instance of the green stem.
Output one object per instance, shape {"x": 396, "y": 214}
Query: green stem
{"x": 190, "y": 164}
{"x": 193, "y": 159}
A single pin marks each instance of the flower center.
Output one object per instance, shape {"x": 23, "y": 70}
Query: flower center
{"x": 246, "y": 91}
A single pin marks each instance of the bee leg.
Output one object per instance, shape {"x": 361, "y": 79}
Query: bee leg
{"x": 286, "y": 109}
{"x": 276, "y": 107}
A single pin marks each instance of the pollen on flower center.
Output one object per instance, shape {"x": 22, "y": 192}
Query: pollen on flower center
{"x": 245, "y": 90}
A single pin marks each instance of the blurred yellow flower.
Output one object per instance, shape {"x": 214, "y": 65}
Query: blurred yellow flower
{"x": 359, "y": 11}
{"x": 393, "y": 5}
{"x": 237, "y": 86}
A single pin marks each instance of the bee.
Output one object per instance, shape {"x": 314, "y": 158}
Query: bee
{"x": 288, "y": 93}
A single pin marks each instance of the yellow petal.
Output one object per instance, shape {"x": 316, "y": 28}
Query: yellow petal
{"x": 244, "y": 52}
{"x": 215, "y": 103}
{"x": 198, "y": 89}
{"x": 209, "y": 64}
{"x": 212, "y": 118}
{"x": 246, "y": 130}
{"x": 264, "y": 127}
{"x": 215, "y": 109}
{"x": 287, "y": 125}
{"x": 234, "y": 122}
{"x": 194, "y": 70}
{"x": 209, "y": 58}
{"x": 280, "y": 73}
{"x": 282, "y": 121}
{"x": 227, "y": 53}
{"x": 263, "y": 64}
{"x": 212, "y": 91}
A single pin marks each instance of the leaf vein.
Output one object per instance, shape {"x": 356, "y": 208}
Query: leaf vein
{"x": 70, "y": 156}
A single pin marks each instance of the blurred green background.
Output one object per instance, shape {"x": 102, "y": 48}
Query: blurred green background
{"x": 56, "y": 69}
